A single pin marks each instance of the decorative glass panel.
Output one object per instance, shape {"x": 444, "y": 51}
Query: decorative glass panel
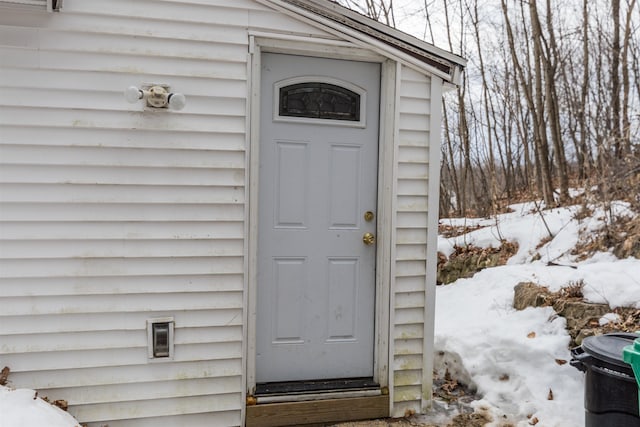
{"x": 319, "y": 101}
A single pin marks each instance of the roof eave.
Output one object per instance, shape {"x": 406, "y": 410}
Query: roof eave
{"x": 379, "y": 36}
{"x": 400, "y": 35}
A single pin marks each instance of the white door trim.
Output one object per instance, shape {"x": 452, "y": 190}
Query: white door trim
{"x": 312, "y": 47}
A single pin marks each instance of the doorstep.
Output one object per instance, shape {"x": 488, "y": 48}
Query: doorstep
{"x": 316, "y": 412}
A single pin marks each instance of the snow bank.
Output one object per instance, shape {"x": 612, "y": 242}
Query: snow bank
{"x": 606, "y": 278}
{"x": 22, "y": 408}
{"x": 517, "y": 360}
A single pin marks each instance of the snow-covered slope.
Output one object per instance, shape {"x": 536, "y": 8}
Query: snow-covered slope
{"x": 517, "y": 359}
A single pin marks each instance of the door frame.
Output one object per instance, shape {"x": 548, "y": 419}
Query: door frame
{"x": 287, "y": 44}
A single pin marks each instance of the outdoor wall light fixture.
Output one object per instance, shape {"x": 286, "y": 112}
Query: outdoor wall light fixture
{"x": 155, "y": 96}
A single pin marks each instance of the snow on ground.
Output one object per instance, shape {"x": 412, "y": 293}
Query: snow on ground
{"x": 22, "y": 408}
{"x": 516, "y": 359}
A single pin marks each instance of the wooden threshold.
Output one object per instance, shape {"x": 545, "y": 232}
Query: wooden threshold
{"x": 317, "y": 412}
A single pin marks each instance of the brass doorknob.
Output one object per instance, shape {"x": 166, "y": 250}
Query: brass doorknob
{"x": 368, "y": 239}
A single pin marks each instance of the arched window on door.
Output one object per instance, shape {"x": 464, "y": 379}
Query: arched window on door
{"x": 312, "y": 98}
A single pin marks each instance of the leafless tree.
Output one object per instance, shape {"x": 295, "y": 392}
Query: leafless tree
{"x": 551, "y": 96}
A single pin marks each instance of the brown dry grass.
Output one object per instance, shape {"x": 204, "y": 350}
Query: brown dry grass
{"x": 465, "y": 261}
{"x": 622, "y": 238}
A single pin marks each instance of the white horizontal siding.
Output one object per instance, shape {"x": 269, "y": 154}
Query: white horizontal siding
{"x": 409, "y": 300}
{"x": 227, "y": 144}
{"x": 32, "y": 213}
{"x": 113, "y": 393}
{"x": 122, "y": 304}
{"x": 214, "y": 12}
{"x": 72, "y": 323}
{"x": 39, "y": 5}
{"x": 151, "y": 230}
{"x": 409, "y": 236}
{"x": 158, "y": 407}
{"x": 70, "y": 42}
{"x": 159, "y": 248}
{"x": 112, "y": 214}
{"x": 412, "y": 200}
{"x": 73, "y": 98}
{"x": 101, "y": 84}
{"x": 412, "y": 219}
{"x": 131, "y": 374}
{"x": 98, "y": 340}
{"x": 121, "y": 157}
{"x": 123, "y": 63}
{"x": 409, "y": 284}
{"x": 112, "y": 357}
{"x": 410, "y": 346}
{"x": 91, "y": 117}
{"x": 114, "y": 193}
{"x": 229, "y": 418}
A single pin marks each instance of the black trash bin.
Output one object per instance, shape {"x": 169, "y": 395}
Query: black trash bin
{"x": 610, "y": 390}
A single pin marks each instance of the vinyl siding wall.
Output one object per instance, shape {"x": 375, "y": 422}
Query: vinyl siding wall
{"x": 111, "y": 215}
{"x": 410, "y": 291}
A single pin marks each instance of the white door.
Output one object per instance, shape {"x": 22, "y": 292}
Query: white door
{"x": 318, "y": 188}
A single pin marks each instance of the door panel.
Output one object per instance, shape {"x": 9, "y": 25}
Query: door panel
{"x": 343, "y": 293}
{"x": 318, "y": 176}
{"x": 344, "y": 171}
{"x": 289, "y": 274}
{"x": 292, "y": 188}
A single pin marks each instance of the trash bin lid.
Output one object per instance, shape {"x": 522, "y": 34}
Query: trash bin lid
{"x": 608, "y": 348}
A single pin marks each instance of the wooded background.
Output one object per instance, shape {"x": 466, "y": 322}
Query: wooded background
{"x": 550, "y": 99}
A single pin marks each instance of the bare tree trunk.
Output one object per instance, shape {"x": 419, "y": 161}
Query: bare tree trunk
{"x": 634, "y": 51}
{"x": 451, "y": 160}
{"x": 550, "y": 61}
{"x": 569, "y": 72}
{"x": 601, "y": 118}
{"x": 542, "y": 161}
{"x": 500, "y": 119}
{"x": 539, "y": 111}
{"x": 522, "y": 126}
{"x": 467, "y": 180}
{"x": 615, "y": 79}
{"x": 635, "y": 60}
{"x": 584, "y": 157}
{"x": 493, "y": 193}
{"x": 626, "y": 86}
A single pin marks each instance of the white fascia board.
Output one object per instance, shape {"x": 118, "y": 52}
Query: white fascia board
{"x": 359, "y": 38}
{"x": 400, "y": 35}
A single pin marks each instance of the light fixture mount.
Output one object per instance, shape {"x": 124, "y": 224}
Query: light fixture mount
{"x": 155, "y": 96}
{"x": 158, "y": 96}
